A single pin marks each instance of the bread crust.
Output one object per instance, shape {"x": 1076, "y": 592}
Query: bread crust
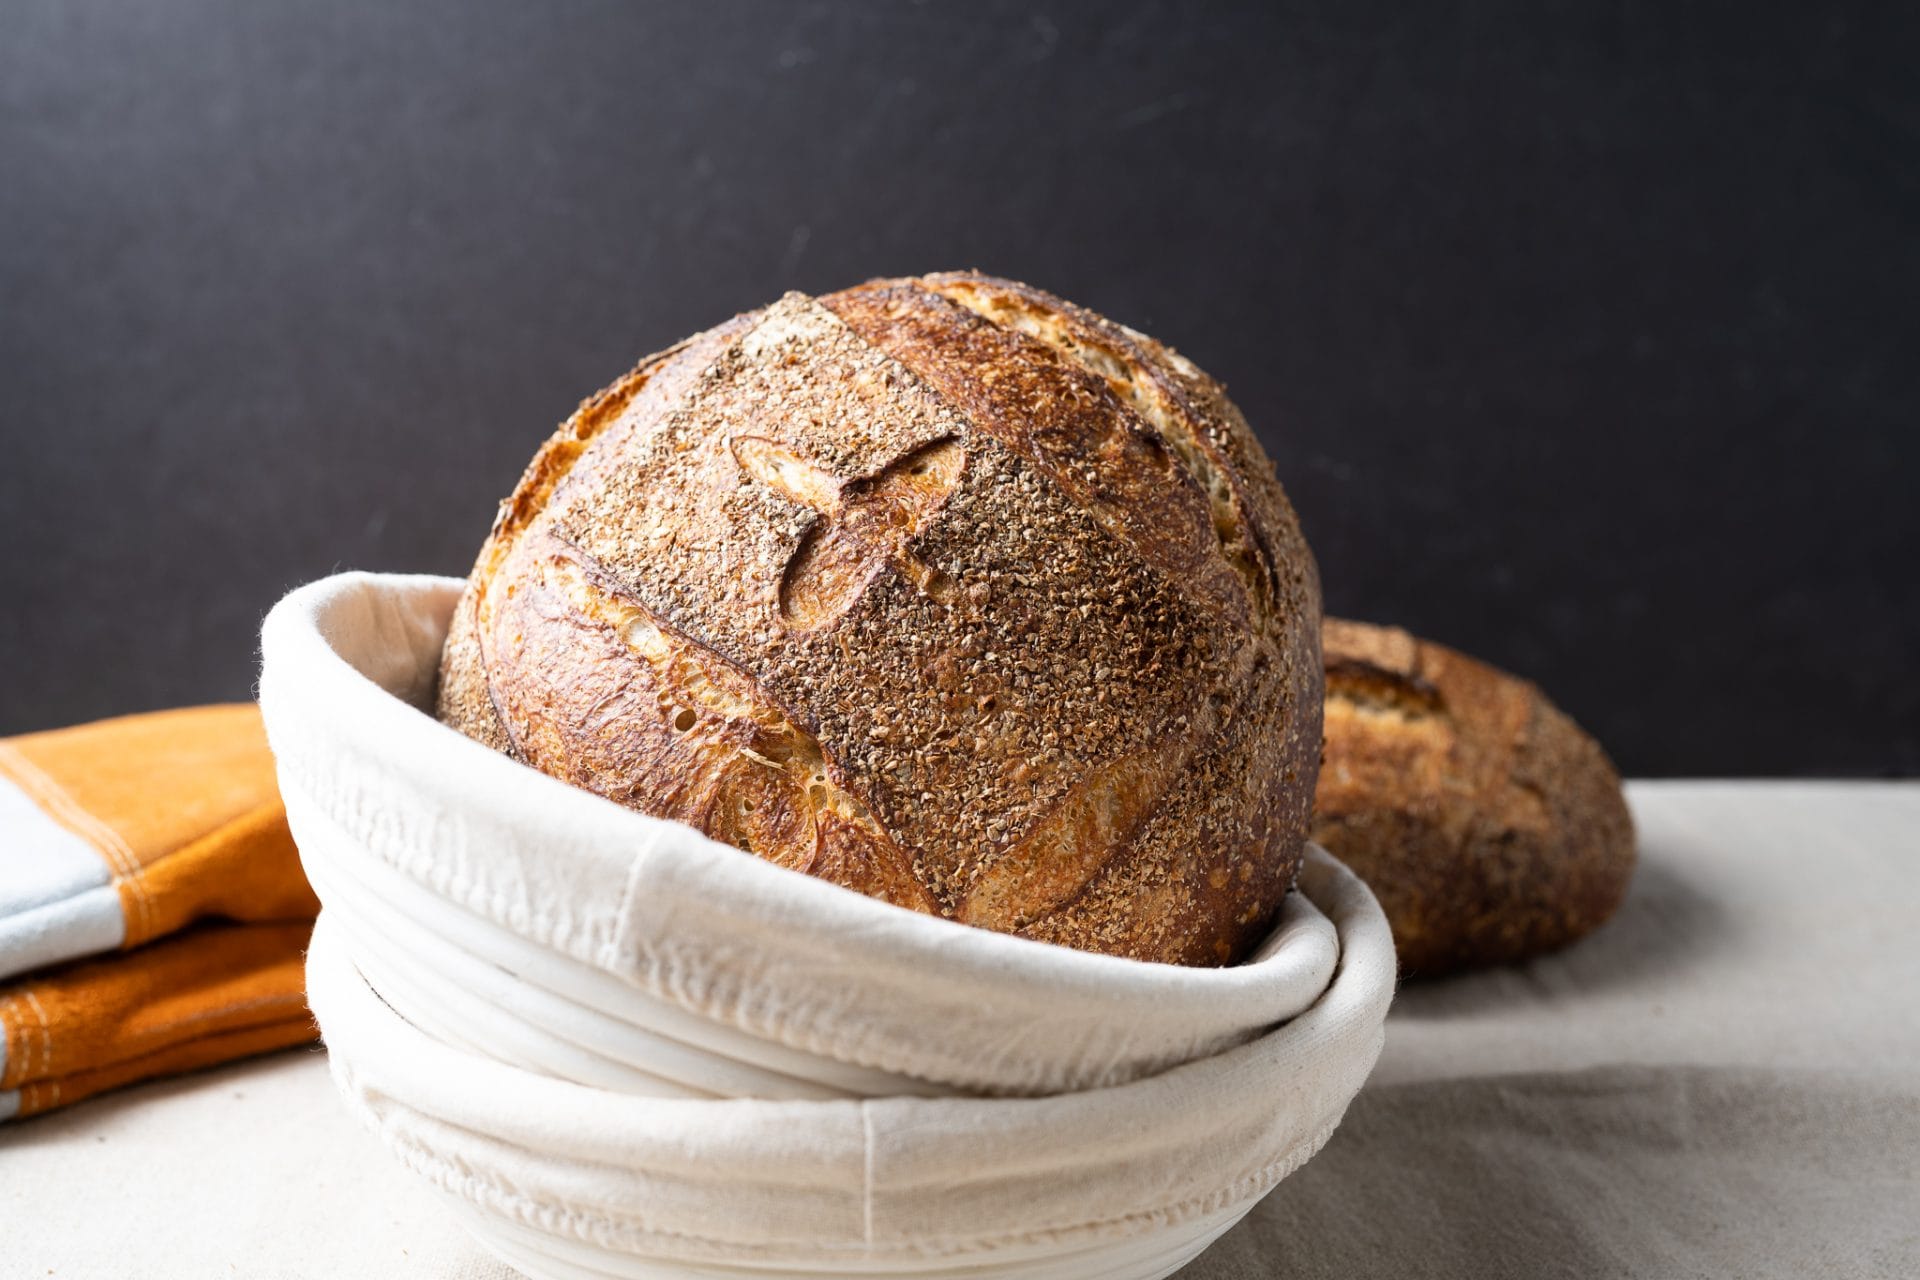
{"x": 1491, "y": 828}
{"x": 981, "y": 618}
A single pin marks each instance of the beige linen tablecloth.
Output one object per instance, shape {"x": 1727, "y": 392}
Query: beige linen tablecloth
{"x": 1724, "y": 1081}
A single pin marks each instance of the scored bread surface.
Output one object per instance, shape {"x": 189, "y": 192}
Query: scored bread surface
{"x": 1488, "y": 824}
{"x": 941, "y": 589}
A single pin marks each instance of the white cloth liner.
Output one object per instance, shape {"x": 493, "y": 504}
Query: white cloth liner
{"x": 479, "y": 986}
{"x": 893, "y": 1185}
{"x": 629, "y": 1050}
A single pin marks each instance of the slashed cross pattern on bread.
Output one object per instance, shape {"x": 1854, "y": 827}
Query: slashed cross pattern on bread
{"x": 940, "y": 589}
{"x": 863, "y": 523}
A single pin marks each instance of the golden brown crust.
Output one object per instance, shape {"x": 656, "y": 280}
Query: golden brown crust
{"x": 1488, "y": 824}
{"x": 929, "y": 605}
{"x": 464, "y": 698}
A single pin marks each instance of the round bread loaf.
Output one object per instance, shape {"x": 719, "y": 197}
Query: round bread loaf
{"x": 941, "y": 589}
{"x": 1489, "y": 826}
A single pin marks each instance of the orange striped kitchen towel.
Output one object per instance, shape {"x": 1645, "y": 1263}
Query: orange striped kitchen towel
{"x": 161, "y": 838}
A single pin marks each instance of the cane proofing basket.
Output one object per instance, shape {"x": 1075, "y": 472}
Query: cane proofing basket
{"x": 619, "y": 1048}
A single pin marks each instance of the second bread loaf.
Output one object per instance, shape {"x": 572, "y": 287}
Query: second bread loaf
{"x": 1489, "y": 825}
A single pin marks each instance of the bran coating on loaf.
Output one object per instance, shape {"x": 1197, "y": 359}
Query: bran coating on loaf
{"x": 977, "y": 617}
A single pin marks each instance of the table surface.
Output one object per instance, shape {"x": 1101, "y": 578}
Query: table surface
{"x": 1723, "y": 1080}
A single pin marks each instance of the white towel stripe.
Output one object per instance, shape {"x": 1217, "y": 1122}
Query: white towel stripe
{"x": 57, "y": 900}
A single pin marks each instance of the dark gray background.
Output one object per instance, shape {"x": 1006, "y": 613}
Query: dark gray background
{"x": 1583, "y": 337}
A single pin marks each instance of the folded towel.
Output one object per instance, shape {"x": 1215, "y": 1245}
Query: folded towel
{"x": 121, "y": 833}
{"x": 215, "y": 992}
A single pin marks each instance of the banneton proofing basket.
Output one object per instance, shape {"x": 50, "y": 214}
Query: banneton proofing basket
{"x": 622, "y": 1049}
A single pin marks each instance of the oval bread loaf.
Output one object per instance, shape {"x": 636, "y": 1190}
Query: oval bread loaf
{"x": 941, "y": 589}
{"x": 1488, "y": 824}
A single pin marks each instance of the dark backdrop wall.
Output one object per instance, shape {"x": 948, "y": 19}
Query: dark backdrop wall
{"x": 1583, "y": 336}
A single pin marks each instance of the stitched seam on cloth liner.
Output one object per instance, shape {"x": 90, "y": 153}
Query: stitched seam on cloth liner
{"x": 64, "y": 809}
{"x": 454, "y": 1177}
{"x": 487, "y": 1192}
{"x": 610, "y": 950}
{"x": 866, "y": 1171}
